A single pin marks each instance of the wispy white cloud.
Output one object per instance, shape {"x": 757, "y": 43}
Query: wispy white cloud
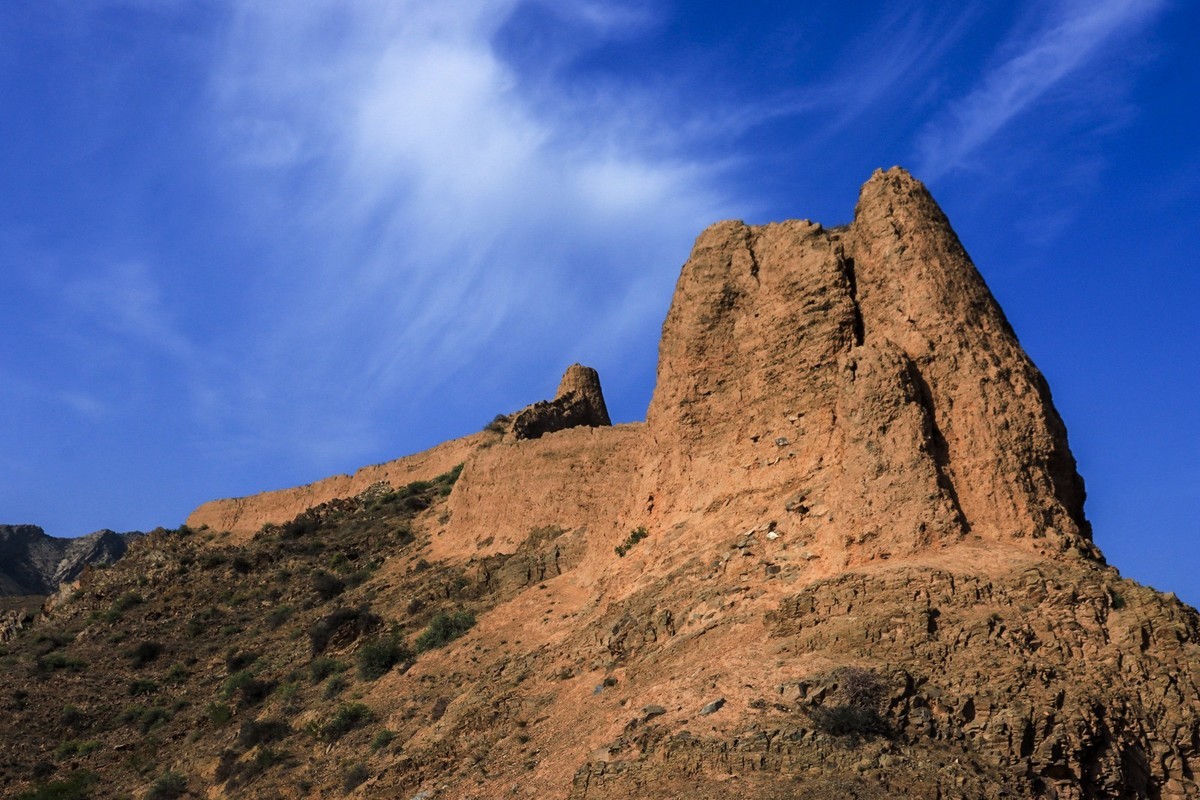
{"x": 605, "y": 16}
{"x": 124, "y": 299}
{"x": 438, "y": 205}
{"x": 1077, "y": 34}
{"x": 901, "y": 50}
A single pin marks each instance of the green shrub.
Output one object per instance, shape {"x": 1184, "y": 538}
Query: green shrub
{"x": 267, "y": 757}
{"x": 279, "y": 616}
{"x": 287, "y": 694}
{"x": 145, "y": 652}
{"x": 60, "y": 661}
{"x": 355, "y": 777}
{"x": 322, "y": 667}
{"x": 327, "y": 586}
{"x": 263, "y": 731}
{"x": 633, "y": 538}
{"x": 76, "y": 747}
{"x": 306, "y": 523}
{"x": 78, "y": 786}
{"x": 443, "y": 629}
{"x": 238, "y": 660}
{"x": 445, "y": 482}
{"x": 376, "y": 659}
{"x": 499, "y": 424}
{"x": 352, "y": 622}
{"x": 143, "y": 686}
{"x": 145, "y": 717}
{"x": 71, "y": 716}
{"x": 383, "y": 739}
{"x": 239, "y": 773}
{"x": 347, "y": 718}
{"x": 235, "y": 682}
{"x": 219, "y": 713}
{"x": 169, "y": 786}
{"x": 121, "y": 605}
{"x": 49, "y": 641}
{"x": 211, "y": 560}
{"x": 335, "y": 686}
{"x": 363, "y": 572}
{"x": 252, "y": 690}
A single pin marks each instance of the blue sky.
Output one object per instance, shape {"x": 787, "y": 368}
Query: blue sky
{"x": 248, "y": 245}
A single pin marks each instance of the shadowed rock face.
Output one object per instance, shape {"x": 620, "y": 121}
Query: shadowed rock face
{"x": 1001, "y": 444}
{"x": 579, "y": 401}
{"x": 32, "y": 563}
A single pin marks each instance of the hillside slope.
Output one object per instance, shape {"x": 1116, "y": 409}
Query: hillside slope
{"x": 845, "y": 556}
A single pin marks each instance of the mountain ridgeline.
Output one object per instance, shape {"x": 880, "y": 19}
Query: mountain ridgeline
{"x": 845, "y": 556}
{"x": 32, "y": 563}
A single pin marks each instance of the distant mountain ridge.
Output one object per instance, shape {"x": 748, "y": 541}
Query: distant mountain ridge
{"x": 33, "y": 562}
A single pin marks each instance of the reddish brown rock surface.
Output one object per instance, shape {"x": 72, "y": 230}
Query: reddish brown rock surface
{"x": 845, "y": 556}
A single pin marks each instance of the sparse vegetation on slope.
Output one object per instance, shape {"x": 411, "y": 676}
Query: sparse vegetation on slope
{"x": 206, "y": 635}
{"x": 632, "y": 539}
{"x": 444, "y": 628}
{"x": 77, "y": 786}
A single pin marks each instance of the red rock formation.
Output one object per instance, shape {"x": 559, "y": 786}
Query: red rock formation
{"x": 848, "y": 463}
{"x": 578, "y": 401}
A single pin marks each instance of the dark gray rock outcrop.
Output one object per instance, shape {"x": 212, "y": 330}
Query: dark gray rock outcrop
{"x": 34, "y": 563}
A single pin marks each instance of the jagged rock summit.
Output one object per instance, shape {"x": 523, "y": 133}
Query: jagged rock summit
{"x": 867, "y": 369}
{"x": 845, "y": 556}
{"x": 579, "y": 401}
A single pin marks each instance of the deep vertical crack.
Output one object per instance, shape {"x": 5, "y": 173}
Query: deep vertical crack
{"x": 847, "y": 267}
{"x": 753, "y": 257}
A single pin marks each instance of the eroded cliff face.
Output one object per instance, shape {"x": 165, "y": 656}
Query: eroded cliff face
{"x": 849, "y": 467}
{"x": 1005, "y": 446}
{"x": 865, "y": 375}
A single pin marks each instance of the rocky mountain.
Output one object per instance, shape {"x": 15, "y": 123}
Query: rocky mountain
{"x": 33, "y": 563}
{"x": 845, "y": 556}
